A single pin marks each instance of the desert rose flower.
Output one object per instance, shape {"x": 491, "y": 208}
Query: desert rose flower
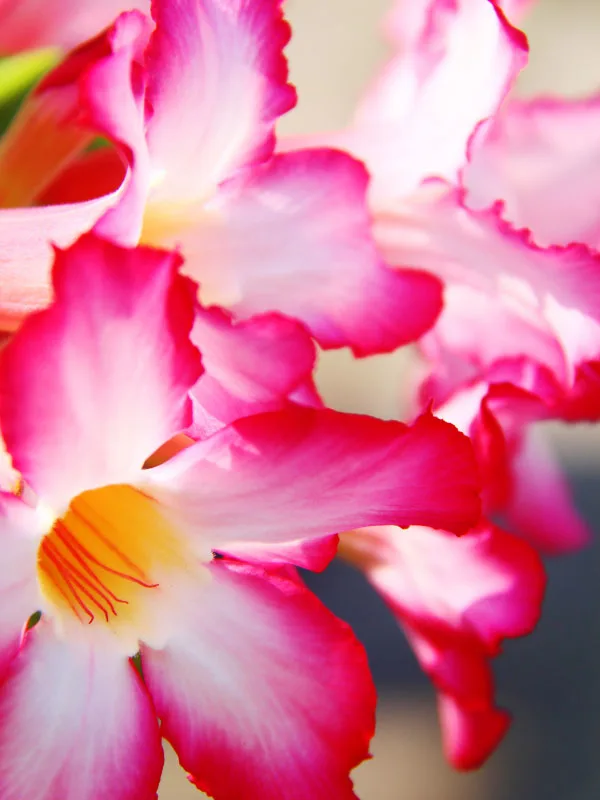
{"x": 262, "y": 692}
{"x": 452, "y": 169}
{"x": 190, "y": 101}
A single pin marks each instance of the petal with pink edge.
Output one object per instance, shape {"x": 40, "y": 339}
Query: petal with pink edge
{"x": 217, "y": 82}
{"x": 294, "y": 236}
{"x": 457, "y": 599}
{"x": 29, "y": 24}
{"x": 93, "y": 385}
{"x": 59, "y": 114}
{"x": 76, "y": 724}
{"x": 313, "y": 554}
{"x": 470, "y": 735}
{"x": 541, "y": 159}
{"x": 416, "y": 120}
{"x": 302, "y": 473}
{"x": 504, "y": 296}
{"x": 250, "y": 366}
{"x": 263, "y": 693}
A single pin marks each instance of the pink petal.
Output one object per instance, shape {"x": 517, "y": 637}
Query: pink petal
{"x": 540, "y": 158}
{"x": 217, "y": 84}
{"x": 93, "y": 385}
{"x": 251, "y": 366}
{"x": 113, "y": 102}
{"x": 263, "y": 693}
{"x": 541, "y": 508}
{"x": 313, "y": 554}
{"x": 28, "y": 24}
{"x": 416, "y": 120}
{"x": 19, "y": 597}
{"x": 56, "y": 113}
{"x": 305, "y": 473}
{"x": 26, "y": 255}
{"x": 520, "y": 478}
{"x": 76, "y": 723}
{"x": 294, "y": 236}
{"x": 504, "y": 296}
{"x": 470, "y": 735}
{"x": 458, "y": 599}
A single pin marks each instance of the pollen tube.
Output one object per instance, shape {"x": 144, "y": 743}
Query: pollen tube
{"x": 99, "y": 561}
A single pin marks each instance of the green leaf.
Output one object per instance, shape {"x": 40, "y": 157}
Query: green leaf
{"x": 18, "y": 73}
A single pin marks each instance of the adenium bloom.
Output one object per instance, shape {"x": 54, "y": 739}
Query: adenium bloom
{"x": 453, "y": 166}
{"x": 261, "y": 691}
{"x": 29, "y": 24}
{"x": 191, "y": 108}
{"x": 457, "y": 599}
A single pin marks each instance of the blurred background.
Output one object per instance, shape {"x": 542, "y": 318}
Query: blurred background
{"x": 551, "y": 680}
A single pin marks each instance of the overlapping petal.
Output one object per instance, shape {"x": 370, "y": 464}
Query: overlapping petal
{"x": 28, "y": 24}
{"x": 363, "y": 471}
{"x": 54, "y": 124}
{"x": 294, "y": 236}
{"x": 457, "y": 600}
{"x": 264, "y": 694}
{"x": 520, "y": 476}
{"x": 99, "y": 380}
{"x": 77, "y": 724}
{"x": 250, "y": 367}
{"x": 504, "y": 296}
{"x": 217, "y": 82}
{"x": 540, "y": 159}
{"x": 417, "y": 119}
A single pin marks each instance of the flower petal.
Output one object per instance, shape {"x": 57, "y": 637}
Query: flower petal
{"x": 470, "y": 735}
{"x": 540, "y": 507}
{"x": 30, "y": 24}
{"x": 60, "y": 111}
{"x": 19, "y": 597}
{"x": 217, "y": 82}
{"x": 250, "y": 367}
{"x": 541, "y": 159}
{"x": 504, "y": 296}
{"x": 305, "y": 473}
{"x": 93, "y": 385}
{"x": 76, "y": 724}
{"x": 457, "y": 599}
{"x": 263, "y": 693}
{"x": 294, "y": 237}
{"x": 416, "y": 121}
{"x": 313, "y": 554}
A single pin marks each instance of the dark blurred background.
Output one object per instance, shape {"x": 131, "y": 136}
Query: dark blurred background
{"x": 550, "y": 680}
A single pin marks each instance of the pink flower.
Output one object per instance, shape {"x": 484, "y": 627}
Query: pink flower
{"x": 454, "y": 169}
{"x": 456, "y": 599}
{"x": 39, "y": 23}
{"x": 191, "y": 108}
{"x": 257, "y": 686}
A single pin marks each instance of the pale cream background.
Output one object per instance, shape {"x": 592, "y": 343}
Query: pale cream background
{"x": 333, "y": 53}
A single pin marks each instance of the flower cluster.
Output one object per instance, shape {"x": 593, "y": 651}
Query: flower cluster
{"x": 167, "y": 271}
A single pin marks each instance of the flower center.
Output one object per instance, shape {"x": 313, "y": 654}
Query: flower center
{"x": 104, "y": 558}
